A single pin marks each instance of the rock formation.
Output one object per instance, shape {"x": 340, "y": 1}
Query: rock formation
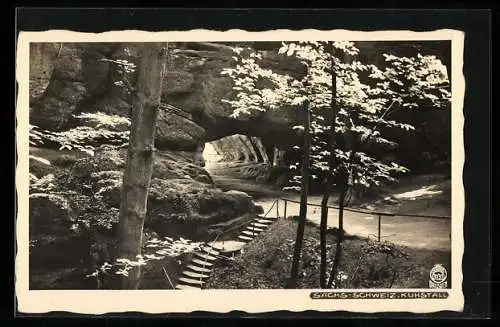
{"x": 83, "y": 80}
{"x": 78, "y": 197}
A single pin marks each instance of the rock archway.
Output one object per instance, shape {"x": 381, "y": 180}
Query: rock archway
{"x": 82, "y": 78}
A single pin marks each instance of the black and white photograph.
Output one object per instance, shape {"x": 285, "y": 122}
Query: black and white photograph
{"x": 308, "y": 163}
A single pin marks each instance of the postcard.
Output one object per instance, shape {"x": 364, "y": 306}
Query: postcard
{"x": 181, "y": 171}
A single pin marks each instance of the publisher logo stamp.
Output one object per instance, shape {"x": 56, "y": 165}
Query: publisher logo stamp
{"x": 438, "y": 276}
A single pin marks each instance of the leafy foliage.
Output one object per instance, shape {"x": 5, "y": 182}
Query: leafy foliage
{"x": 125, "y": 69}
{"x": 365, "y": 96}
{"x": 100, "y": 129}
{"x": 94, "y": 129}
{"x": 153, "y": 249}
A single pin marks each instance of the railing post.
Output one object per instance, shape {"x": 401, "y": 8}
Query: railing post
{"x": 284, "y": 211}
{"x": 379, "y": 222}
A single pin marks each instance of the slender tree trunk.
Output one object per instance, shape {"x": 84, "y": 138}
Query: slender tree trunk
{"x": 292, "y": 283}
{"x": 262, "y": 150}
{"x": 253, "y": 142}
{"x": 328, "y": 184}
{"x": 276, "y": 153}
{"x": 338, "y": 249}
{"x": 233, "y": 148}
{"x": 322, "y": 233}
{"x": 137, "y": 176}
{"x": 344, "y": 182}
{"x": 248, "y": 145}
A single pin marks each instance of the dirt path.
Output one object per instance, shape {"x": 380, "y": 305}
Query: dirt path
{"x": 251, "y": 187}
{"x": 410, "y": 231}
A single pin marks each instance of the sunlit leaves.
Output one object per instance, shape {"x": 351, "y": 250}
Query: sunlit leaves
{"x": 366, "y": 96}
{"x": 103, "y": 129}
{"x": 422, "y": 79}
{"x": 39, "y": 159}
{"x": 153, "y": 250}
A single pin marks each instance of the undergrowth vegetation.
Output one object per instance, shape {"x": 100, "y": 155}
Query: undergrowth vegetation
{"x": 93, "y": 129}
{"x": 265, "y": 262}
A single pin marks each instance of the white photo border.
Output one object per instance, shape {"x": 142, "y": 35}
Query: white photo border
{"x": 224, "y": 301}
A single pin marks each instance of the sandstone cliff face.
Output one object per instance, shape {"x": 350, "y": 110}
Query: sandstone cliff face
{"x": 83, "y": 80}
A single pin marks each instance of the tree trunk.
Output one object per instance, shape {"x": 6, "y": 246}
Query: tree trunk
{"x": 292, "y": 283}
{"x": 261, "y": 149}
{"x": 328, "y": 184}
{"x": 253, "y": 143}
{"x": 235, "y": 148}
{"x": 276, "y": 154}
{"x": 248, "y": 145}
{"x": 137, "y": 176}
{"x": 338, "y": 249}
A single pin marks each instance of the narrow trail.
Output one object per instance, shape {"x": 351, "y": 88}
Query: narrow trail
{"x": 414, "y": 232}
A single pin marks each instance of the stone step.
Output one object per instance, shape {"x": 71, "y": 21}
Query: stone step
{"x": 265, "y": 221}
{"x": 259, "y": 225}
{"x": 187, "y": 287}
{"x": 245, "y": 238}
{"x": 194, "y": 275}
{"x": 190, "y": 281}
{"x": 255, "y": 229}
{"x": 198, "y": 269}
{"x": 201, "y": 263}
{"x": 210, "y": 250}
{"x": 205, "y": 256}
{"x": 250, "y": 233}
{"x": 228, "y": 247}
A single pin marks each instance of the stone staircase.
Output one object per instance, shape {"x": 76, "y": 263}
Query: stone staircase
{"x": 197, "y": 271}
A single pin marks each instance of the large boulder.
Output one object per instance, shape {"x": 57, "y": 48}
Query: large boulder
{"x": 182, "y": 198}
{"x": 167, "y": 165}
{"x": 49, "y": 212}
{"x": 65, "y": 90}
{"x": 177, "y": 130}
{"x": 181, "y": 206}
